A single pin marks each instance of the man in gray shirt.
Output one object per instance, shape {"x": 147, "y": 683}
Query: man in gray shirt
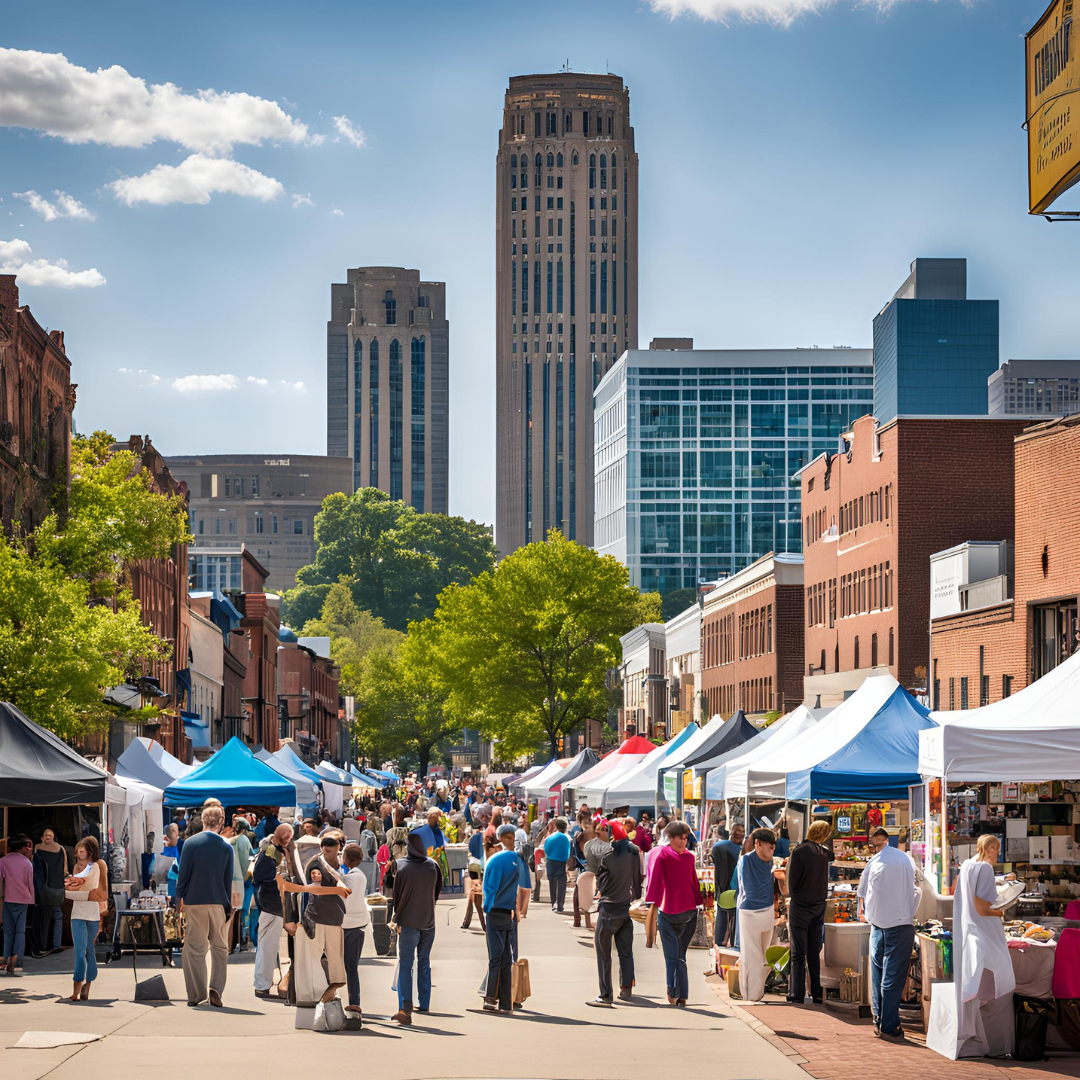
{"x": 597, "y": 847}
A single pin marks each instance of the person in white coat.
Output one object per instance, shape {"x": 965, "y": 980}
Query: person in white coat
{"x": 984, "y": 972}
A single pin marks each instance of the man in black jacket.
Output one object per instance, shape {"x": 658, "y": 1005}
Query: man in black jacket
{"x": 417, "y": 884}
{"x": 618, "y": 883}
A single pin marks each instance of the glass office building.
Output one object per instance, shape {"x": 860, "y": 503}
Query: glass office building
{"x": 696, "y": 454}
{"x": 933, "y": 348}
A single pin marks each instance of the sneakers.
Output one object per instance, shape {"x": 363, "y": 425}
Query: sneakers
{"x": 600, "y": 1003}
{"x": 490, "y": 1005}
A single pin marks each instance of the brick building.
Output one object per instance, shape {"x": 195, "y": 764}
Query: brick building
{"x": 161, "y": 587}
{"x": 261, "y": 623}
{"x": 873, "y": 514}
{"x": 987, "y": 652}
{"x": 36, "y": 401}
{"x": 644, "y": 682}
{"x": 752, "y": 639}
{"x": 231, "y": 718}
{"x": 308, "y": 696}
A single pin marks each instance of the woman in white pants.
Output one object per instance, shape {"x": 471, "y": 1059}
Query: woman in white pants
{"x": 756, "y": 912}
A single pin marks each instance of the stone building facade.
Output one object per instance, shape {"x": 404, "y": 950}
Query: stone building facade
{"x": 37, "y": 397}
{"x": 566, "y": 253}
{"x": 752, "y": 639}
{"x": 387, "y": 383}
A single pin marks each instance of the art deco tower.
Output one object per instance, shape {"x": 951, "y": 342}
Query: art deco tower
{"x": 566, "y": 292}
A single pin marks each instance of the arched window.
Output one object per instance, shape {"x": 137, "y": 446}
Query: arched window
{"x": 574, "y": 158}
{"x": 603, "y": 161}
{"x": 856, "y": 654}
{"x": 539, "y": 162}
{"x": 558, "y": 160}
{"x": 513, "y": 161}
{"x": 614, "y": 161}
{"x": 396, "y": 434}
{"x": 592, "y": 170}
{"x": 551, "y": 161}
{"x": 373, "y": 426}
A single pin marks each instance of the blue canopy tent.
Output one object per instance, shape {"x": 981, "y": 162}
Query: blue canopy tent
{"x": 307, "y": 790}
{"x": 236, "y": 777}
{"x": 334, "y": 774}
{"x": 374, "y": 778}
{"x": 385, "y": 774}
{"x": 881, "y": 762}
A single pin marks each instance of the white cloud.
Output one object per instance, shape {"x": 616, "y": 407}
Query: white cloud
{"x": 188, "y": 383}
{"x": 299, "y": 387}
{"x": 779, "y": 12}
{"x": 301, "y": 200}
{"x": 65, "y": 205}
{"x": 194, "y": 180}
{"x": 256, "y": 381}
{"x": 46, "y": 92}
{"x": 15, "y": 259}
{"x": 348, "y": 131}
{"x": 338, "y": 213}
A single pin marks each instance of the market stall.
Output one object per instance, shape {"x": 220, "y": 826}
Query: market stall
{"x": 637, "y": 788}
{"x": 236, "y": 777}
{"x": 308, "y": 792}
{"x": 150, "y": 763}
{"x": 588, "y": 788}
{"x": 563, "y": 780}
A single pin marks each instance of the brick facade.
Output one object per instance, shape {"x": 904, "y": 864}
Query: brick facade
{"x": 36, "y": 401}
{"x": 999, "y": 650}
{"x": 872, "y": 518}
{"x": 752, "y": 640}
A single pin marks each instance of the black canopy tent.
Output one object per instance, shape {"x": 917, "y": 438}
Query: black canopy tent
{"x": 37, "y": 768}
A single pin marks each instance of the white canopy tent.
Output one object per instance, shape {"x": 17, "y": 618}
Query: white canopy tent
{"x": 539, "y": 786}
{"x": 638, "y": 786}
{"x": 766, "y": 777}
{"x": 134, "y": 812}
{"x": 1031, "y": 736}
{"x": 589, "y": 787}
{"x": 776, "y": 735}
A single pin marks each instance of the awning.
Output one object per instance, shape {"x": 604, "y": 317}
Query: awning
{"x": 236, "y": 777}
{"x": 37, "y": 768}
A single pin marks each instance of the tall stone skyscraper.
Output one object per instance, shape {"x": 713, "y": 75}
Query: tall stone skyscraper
{"x": 387, "y": 383}
{"x": 566, "y": 292}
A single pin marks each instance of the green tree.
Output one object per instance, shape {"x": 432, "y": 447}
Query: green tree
{"x": 394, "y": 560}
{"x": 59, "y": 651}
{"x": 525, "y": 648}
{"x": 114, "y": 517}
{"x": 404, "y": 705}
{"x": 677, "y": 601}
{"x": 353, "y": 634}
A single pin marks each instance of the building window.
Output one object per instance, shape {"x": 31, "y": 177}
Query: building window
{"x": 418, "y": 421}
{"x": 963, "y": 692}
{"x": 873, "y": 650}
{"x": 258, "y": 523}
{"x": 1006, "y": 685}
{"x": 201, "y": 523}
{"x": 952, "y": 693}
{"x": 892, "y": 647}
{"x": 217, "y": 526}
{"x": 856, "y": 654}
{"x": 373, "y": 425}
{"x": 254, "y": 486}
{"x": 232, "y": 526}
{"x": 390, "y": 304}
{"x": 228, "y": 486}
{"x": 396, "y": 406}
{"x": 273, "y": 523}
{"x": 298, "y": 526}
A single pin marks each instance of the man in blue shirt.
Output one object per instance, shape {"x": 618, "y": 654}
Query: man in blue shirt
{"x": 556, "y": 855}
{"x": 506, "y": 878}
{"x": 432, "y": 833}
{"x": 756, "y": 912}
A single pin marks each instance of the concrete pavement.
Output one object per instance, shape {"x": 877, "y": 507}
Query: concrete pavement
{"x": 556, "y": 1037}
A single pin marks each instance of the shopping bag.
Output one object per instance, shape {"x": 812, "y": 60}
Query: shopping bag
{"x": 520, "y": 986}
{"x": 329, "y": 1015}
{"x": 650, "y": 927}
{"x": 393, "y": 985}
{"x": 1032, "y": 1019}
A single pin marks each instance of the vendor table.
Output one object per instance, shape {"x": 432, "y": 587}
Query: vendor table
{"x": 847, "y": 945}
{"x": 161, "y": 946}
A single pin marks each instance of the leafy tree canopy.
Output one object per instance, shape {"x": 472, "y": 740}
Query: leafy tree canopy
{"x": 393, "y": 560}
{"x": 114, "y": 516}
{"x": 523, "y": 651}
{"x": 353, "y": 634}
{"x": 403, "y": 705}
{"x": 59, "y": 651}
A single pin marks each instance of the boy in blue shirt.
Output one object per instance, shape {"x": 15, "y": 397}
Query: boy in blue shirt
{"x": 506, "y": 877}
{"x": 556, "y": 856}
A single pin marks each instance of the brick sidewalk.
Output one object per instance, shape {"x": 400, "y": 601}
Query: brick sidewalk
{"x": 831, "y": 1046}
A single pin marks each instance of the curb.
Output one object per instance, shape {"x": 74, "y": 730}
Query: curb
{"x": 719, "y": 988}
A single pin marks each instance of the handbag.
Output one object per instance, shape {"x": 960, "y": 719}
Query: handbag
{"x": 51, "y": 896}
{"x": 520, "y": 985}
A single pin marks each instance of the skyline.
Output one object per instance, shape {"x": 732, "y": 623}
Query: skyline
{"x": 903, "y": 127}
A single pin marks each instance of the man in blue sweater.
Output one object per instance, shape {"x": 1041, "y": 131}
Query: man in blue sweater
{"x": 204, "y": 895}
{"x": 506, "y": 881}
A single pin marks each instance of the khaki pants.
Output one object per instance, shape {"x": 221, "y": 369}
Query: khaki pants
{"x": 755, "y": 936}
{"x": 311, "y": 980}
{"x": 204, "y": 929}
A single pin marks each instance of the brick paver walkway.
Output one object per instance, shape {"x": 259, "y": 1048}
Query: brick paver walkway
{"x": 832, "y": 1046}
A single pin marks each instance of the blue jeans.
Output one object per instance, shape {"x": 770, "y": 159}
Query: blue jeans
{"x": 245, "y": 914}
{"x": 14, "y": 931}
{"x": 414, "y": 946}
{"x": 676, "y": 933}
{"x": 890, "y": 955}
{"x": 500, "y": 941}
{"x": 83, "y": 932}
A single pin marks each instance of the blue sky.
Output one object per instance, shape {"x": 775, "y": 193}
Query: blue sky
{"x": 790, "y": 171}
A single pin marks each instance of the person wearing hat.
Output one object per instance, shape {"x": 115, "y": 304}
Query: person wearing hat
{"x": 506, "y": 877}
{"x": 618, "y": 882}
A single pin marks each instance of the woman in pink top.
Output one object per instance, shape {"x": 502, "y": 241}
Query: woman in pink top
{"x": 673, "y": 887}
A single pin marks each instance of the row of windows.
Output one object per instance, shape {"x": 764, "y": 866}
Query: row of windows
{"x": 756, "y": 695}
{"x": 718, "y": 641}
{"x": 569, "y": 523}
{"x": 815, "y": 524}
{"x": 866, "y": 590}
{"x": 555, "y": 202}
{"x": 821, "y": 603}
{"x": 255, "y": 523}
{"x": 756, "y": 632}
{"x": 866, "y": 509}
{"x": 592, "y": 123}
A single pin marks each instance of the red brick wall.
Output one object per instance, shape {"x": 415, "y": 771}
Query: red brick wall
{"x": 725, "y": 685}
{"x": 956, "y": 643}
{"x": 944, "y": 481}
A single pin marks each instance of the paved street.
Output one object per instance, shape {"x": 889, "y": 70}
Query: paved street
{"x": 557, "y": 1036}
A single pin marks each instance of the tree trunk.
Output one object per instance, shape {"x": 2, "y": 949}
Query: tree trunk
{"x": 424, "y": 754}
{"x": 554, "y": 746}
